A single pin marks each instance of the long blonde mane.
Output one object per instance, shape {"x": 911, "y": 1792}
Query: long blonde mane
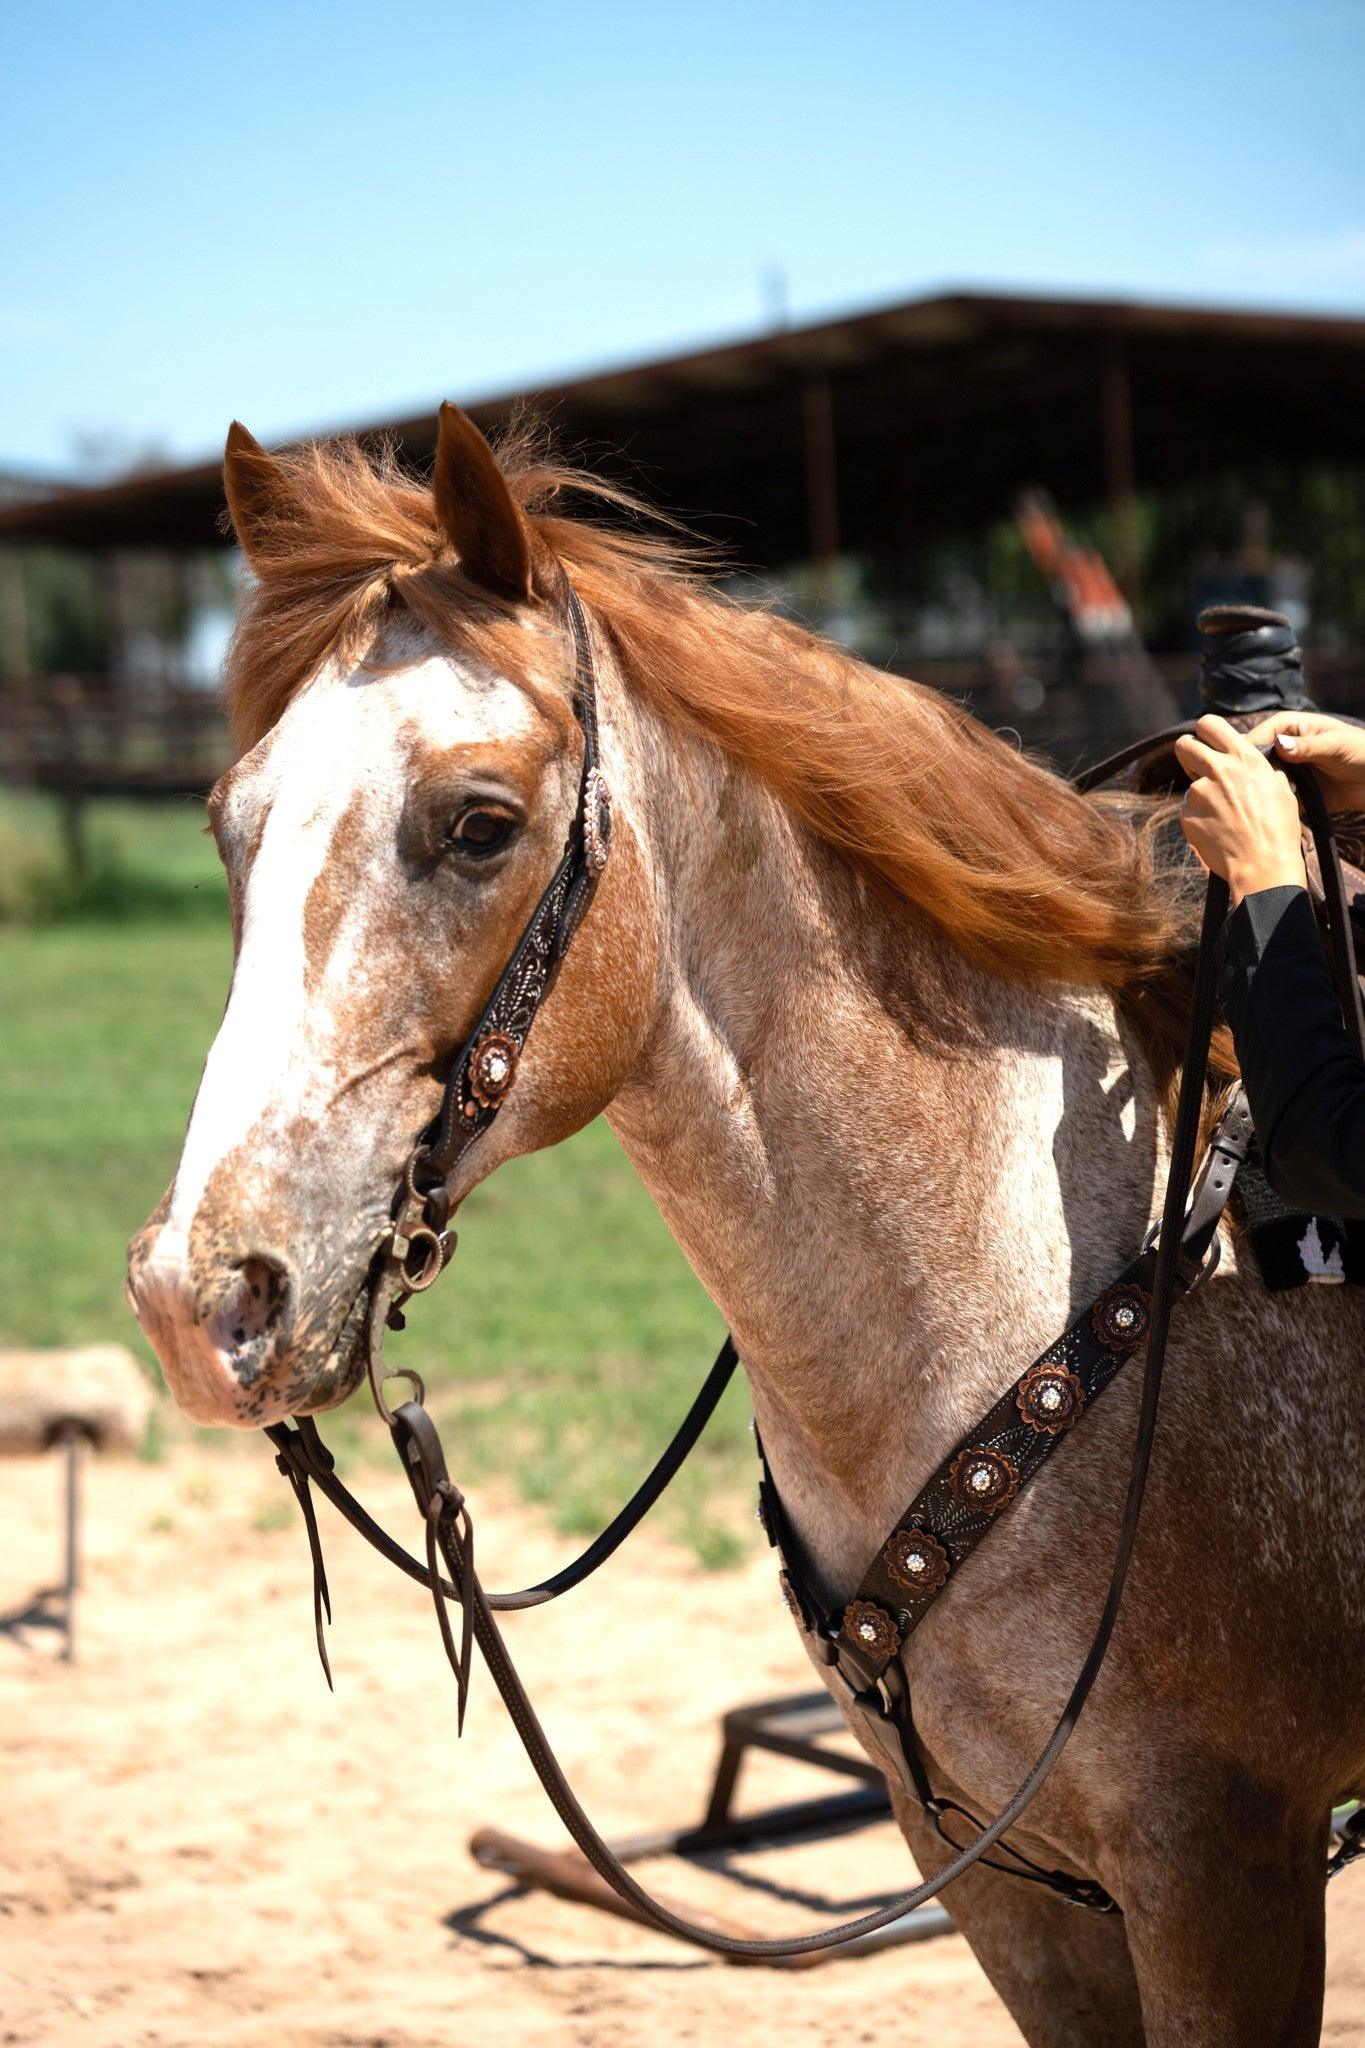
{"x": 1030, "y": 880}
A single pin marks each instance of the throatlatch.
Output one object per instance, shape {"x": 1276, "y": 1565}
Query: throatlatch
{"x": 933, "y": 1539}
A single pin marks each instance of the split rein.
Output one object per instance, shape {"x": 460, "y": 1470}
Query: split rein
{"x": 855, "y": 1643}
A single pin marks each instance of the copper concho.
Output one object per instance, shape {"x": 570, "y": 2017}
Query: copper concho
{"x": 1121, "y": 1316}
{"x": 983, "y": 1480}
{"x": 875, "y": 1632}
{"x": 493, "y": 1069}
{"x": 1049, "y": 1398}
{"x": 917, "y": 1561}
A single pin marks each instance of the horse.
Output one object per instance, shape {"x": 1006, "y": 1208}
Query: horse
{"x": 885, "y": 1016}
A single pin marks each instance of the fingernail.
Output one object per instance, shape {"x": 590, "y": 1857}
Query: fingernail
{"x": 1286, "y": 743}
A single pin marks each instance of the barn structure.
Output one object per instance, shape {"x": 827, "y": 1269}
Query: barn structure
{"x": 863, "y": 470}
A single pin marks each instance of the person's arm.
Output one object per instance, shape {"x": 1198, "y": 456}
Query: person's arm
{"x": 1303, "y": 1076}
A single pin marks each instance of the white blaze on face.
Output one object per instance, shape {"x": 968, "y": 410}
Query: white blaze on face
{"x": 275, "y": 1056}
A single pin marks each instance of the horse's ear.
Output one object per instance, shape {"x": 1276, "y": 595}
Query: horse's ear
{"x": 258, "y": 492}
{"x": 478, "y": 514}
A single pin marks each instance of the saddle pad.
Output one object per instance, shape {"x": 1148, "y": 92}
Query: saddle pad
{"x": 1292, "y": 1248}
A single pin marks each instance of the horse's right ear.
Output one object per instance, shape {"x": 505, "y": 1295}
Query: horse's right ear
{"x": 258, "y": 492}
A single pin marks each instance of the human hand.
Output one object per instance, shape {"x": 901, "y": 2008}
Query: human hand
{"x": 1335, "y": 750}
{"x": 1240, "y": 814}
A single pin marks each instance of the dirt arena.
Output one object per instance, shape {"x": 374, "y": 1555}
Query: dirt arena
{"x": 199, "y": 1845}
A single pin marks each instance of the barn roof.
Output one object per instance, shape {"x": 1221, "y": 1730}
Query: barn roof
{"x": 884, "y": 427}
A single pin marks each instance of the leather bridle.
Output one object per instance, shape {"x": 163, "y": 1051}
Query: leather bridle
{"x": 872, "y": 1678}
{"x": 481, "y": 1079}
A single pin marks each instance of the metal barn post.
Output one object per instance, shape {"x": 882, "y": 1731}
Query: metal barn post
{"x": 822, "y": 481}
{"x": 1117, "y": 409}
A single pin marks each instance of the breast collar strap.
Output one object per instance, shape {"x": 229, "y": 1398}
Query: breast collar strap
{"x": 958, "y": 1505}
{"x": 935, "y": 1535}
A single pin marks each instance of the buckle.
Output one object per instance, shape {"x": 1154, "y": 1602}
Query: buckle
{"x": 1192, "y": 1280}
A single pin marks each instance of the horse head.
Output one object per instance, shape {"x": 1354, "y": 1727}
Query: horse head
{"x": 402, "y": 674}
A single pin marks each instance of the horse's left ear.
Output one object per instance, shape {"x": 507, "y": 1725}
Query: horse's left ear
{"x": 477, "y": 511}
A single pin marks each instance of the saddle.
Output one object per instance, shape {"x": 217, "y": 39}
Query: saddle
{"x": 1252, "y": 665}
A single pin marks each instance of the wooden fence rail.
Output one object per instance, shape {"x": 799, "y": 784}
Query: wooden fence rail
{"x": 85, "y": 736}
{"x": 79, "y": 736}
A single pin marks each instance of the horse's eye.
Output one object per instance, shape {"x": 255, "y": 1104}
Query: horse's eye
{"x": 481, "y": 832}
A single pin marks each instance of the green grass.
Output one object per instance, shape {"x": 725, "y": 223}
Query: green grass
{"x": 560, "y": 1349}
{"x": 139, "y": 863}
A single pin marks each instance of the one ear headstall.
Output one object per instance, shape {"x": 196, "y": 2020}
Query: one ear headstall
{"x": 485, "y": 1070}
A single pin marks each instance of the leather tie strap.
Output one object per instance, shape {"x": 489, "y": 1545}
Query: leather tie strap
{"x": 298, "y": 1477}
{"x": 449, "y": 1526}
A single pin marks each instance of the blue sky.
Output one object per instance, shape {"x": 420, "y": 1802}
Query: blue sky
{"x": 309, "y": 215}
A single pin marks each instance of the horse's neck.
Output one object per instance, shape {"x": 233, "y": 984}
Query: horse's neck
{"x": 896, "y": 1177}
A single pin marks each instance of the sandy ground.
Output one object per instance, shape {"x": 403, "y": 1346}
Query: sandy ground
{"x": 199, "y": 1845}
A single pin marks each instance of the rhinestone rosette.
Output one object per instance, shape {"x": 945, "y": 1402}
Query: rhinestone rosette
{"x": 596, "y": 822}
{"x": 1121, "y": 1316}
{"x": 787, "y": 1594}
{"x": 983, "y": 1480}
{"x": 1049, "y": 1398}
{"x": 493, "y": 1069}
{"x": 917, "y": 1561}
{"x": 875, "y": 1632}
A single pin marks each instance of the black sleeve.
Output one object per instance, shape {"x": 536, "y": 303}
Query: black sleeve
{"x": 1303, "y": 1076}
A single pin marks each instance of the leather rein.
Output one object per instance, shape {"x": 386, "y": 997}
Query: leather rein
{"x": 861, "y": 1642}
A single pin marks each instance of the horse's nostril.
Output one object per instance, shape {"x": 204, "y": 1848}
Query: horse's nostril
{"x": 264, "y": 1277}
{"x": 250, "y": 1310}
